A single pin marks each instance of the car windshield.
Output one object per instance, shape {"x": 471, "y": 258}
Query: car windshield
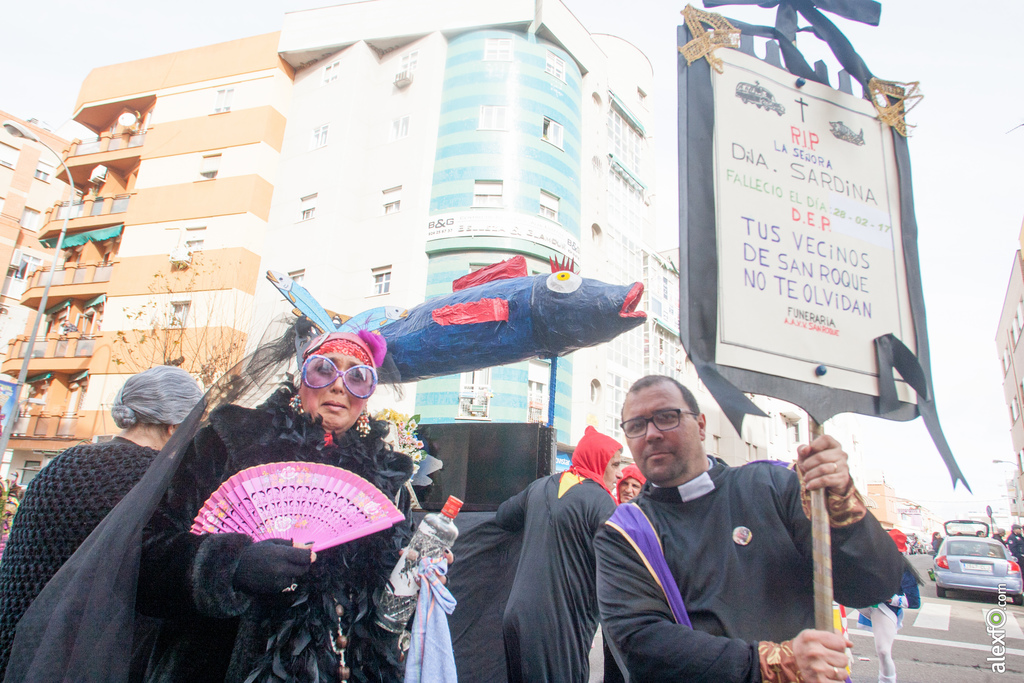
{"x": 966, "y": 527}
{"x": 975, "y": 549}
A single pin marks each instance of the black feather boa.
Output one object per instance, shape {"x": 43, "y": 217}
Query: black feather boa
{"x": 298, "y": 634}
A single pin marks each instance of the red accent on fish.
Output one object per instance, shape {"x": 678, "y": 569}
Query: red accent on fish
{"x": 628, "y": 310}
{"x": 482, "y": 311}
{"x": 565, "y": 264}
{"x": 503, "y": 270}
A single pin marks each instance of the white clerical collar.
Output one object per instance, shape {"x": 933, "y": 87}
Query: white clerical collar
{"x": 700, "y": 485}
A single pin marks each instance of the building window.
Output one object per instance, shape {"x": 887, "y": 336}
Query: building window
{"x": 552, "y": 132}
{"x": 392, "y": 200}
{"x": 1014, "y": 410}
{"x": 30, "y": 219}
{"x": 381, "y": 280}
{"x": 319, "y": 138}
{"x": 43, "y": 171}
{"x": 624, "y": 140}
{"x": 209, "y": 168}
{"x": 331, "y": 72}
{"x": 1006, "y": 361}
{"x": 179, "y": 313}
{"x": 536, "y": 402}
{"x": 26, "y": 266}
{"x": 410, "y": 61}
{"x": 625, "y": 205}
{"x": 307, "y": 207}
{"x": 475, "y": 394}
{"x": 487, "y": 193}
{"x": 498, "y": 49}
{"x": 493, "y": 118}
{"x": 548, "y": 205}
{"x": 400, "y": 128}
{"x": 224, "y": 98}
{"x": 297, "y": 275}
{"x": 555, "y": 66}
{"x": 8, "y": 156}
{"x": 617, "y": 386}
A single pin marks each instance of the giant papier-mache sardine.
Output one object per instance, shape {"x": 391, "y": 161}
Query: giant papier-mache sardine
{"x": 498, "y": 315}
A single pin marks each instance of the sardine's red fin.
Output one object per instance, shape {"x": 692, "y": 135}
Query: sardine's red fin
{"x": 503, "y": 270}
{"x": 482, "y": 311}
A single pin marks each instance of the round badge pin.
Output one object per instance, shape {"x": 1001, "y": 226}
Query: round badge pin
{"x": 741, "y": 535}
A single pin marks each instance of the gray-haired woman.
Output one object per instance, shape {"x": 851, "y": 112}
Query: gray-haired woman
{"x": 73, "y": 493}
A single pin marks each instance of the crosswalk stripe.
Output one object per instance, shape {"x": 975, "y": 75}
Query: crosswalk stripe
{"x": 1011, "y": 627}
{"x": 945, "y": 643}
{"x": 933, "y": 615}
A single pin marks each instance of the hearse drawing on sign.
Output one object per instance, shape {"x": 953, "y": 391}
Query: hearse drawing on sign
{"x": 756, "y": 94}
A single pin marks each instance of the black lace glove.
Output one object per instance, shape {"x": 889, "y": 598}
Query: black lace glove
{"x": 270, "y": 566}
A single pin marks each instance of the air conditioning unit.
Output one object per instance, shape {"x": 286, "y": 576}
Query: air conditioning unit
{"x": 99, "y": 174}
{"x": 403, "y": 78}
{"x": 103, "y": 438}
{"x": 16, "y": 259}
{"x": 181, "y": 257}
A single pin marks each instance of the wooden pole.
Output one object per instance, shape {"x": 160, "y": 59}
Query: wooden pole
{"x": 821, "y": 545}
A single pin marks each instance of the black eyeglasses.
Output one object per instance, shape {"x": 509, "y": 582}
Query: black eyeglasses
{"x": 664, "y": 420}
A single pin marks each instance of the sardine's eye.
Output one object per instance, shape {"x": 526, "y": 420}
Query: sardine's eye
{"x": 564, "y": 282}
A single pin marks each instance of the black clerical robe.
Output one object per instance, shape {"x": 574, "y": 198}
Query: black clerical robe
{"x": 741, "y": 556}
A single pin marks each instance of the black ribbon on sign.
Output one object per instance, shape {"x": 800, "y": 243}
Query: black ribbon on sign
{"x": 698, "y": 318}
{"x": 892, "y": 354}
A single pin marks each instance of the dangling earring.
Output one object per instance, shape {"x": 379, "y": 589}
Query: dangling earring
{"x": 363, "y": 424}
{"x": 296, "y": 404}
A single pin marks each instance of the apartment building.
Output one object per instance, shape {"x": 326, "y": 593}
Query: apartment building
{"x": 164, "y": 238}
{"x": 1011, "y": 359}
{"x": 427, "y": 140}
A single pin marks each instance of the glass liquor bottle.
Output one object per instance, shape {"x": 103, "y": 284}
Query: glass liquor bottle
{"x": 436, "y": 533}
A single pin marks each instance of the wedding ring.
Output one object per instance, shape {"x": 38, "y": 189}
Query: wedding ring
{"x": 835, "y": 671}
{"x": 290, "y": 589}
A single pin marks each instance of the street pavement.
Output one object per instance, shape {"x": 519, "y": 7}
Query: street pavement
{"x": 946, "y": 641}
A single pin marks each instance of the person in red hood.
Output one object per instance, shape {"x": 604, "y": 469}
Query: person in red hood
{"x": 551, "y": 615}
{"x": 630, "y": 484}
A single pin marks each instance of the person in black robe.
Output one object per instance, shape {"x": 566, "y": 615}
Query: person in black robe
{"x": 73, "y": 493}
{"x": 737, "y": 541}
{"x": 542, "y": 596}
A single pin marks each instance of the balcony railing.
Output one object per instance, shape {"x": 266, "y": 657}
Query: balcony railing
{"x": 106, "y": 143}
{"x": 59, "y": 347}
{"x": 475, "y": 401}
{"x": 92, "y": 206}
{"x": 72, "y": 275}
{"x": 67, "y": 425}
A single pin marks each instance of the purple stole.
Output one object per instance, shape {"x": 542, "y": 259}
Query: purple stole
{"x": 630, "y": 521}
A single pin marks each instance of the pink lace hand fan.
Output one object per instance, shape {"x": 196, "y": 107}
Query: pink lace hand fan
{"x": 308, "y": 503}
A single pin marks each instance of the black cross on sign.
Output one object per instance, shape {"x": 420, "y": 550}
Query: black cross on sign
{"x": 802, "y": 105}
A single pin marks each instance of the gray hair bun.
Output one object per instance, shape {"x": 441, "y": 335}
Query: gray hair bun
{"x": 163, "y": 395}
{"x": 124, "y": 417}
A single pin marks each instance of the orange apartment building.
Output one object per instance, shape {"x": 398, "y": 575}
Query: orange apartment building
{"x": 161, "y": 258}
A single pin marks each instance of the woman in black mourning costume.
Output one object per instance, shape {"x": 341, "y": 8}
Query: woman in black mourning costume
{"x": 234, "y": 610}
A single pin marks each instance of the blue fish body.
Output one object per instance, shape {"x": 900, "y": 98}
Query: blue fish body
{"x": 509, "y": 320}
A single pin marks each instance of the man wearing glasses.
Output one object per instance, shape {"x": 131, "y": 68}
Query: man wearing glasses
{"x": 736, "y": 542}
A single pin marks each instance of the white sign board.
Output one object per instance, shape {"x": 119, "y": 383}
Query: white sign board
{"x": 489, "y": 223}
{"x": 811, "y": 266}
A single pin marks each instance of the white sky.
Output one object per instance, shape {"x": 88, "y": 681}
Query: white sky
{"x": 967, "y": 168}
